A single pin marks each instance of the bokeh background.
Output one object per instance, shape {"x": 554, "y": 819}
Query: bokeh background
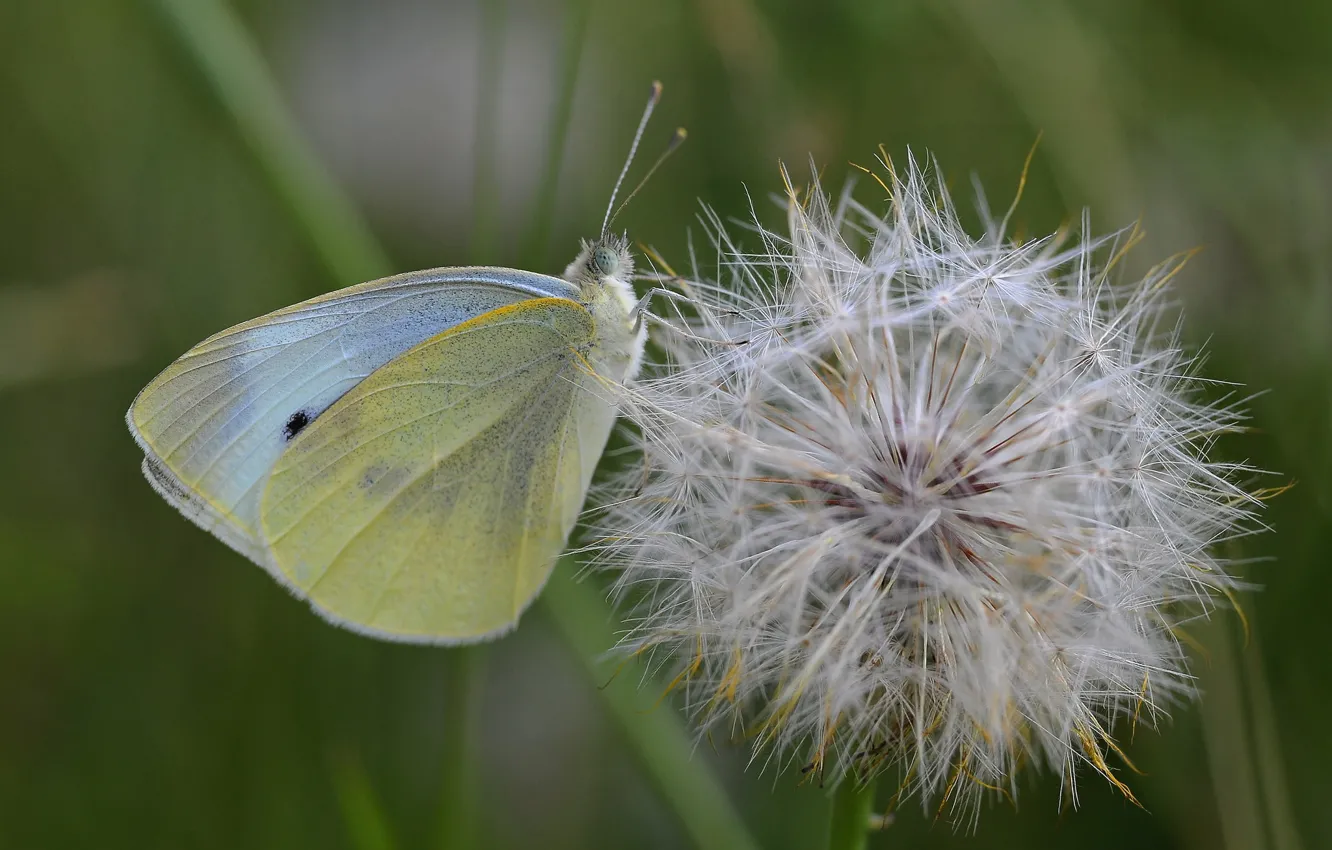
{"x": 158, "y": 691}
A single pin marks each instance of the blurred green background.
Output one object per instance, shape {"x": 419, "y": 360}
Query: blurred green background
{"x": 158, "y": 691}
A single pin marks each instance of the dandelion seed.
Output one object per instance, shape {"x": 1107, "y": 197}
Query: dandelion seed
{"x": 913, "y": 501}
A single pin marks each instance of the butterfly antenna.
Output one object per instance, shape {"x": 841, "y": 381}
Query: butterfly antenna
{"x": 676, "y": 140}
{"x": 653, "y": 97}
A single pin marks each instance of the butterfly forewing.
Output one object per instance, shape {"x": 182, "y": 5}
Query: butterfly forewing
{"x": 214, "y": 422}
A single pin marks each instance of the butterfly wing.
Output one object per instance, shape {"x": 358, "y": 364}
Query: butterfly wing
{"x": 214, "y": 422}
{"x": 430, "y": 502}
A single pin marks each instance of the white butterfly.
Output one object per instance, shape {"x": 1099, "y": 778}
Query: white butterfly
{"x": 409, "y": 454}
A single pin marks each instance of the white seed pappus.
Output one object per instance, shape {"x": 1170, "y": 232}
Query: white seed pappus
{"x": 912, "y": 501}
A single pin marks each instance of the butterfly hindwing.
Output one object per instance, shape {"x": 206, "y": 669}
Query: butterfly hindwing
{"x": 430, "y": 502}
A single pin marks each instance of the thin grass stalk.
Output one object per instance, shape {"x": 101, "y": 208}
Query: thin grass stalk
{"x": 537, "y": 244}
{"x": 1267, "y": 739}
{"x": 656, "y": 735}
{"x": 485, "y": 189}
{"x": 1229, "y": 744}
{"x": 362, "y": 813}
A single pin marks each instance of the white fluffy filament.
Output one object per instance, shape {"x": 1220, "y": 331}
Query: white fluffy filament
{"x": 915, "y": 501}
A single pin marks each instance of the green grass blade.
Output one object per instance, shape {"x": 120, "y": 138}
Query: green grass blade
{"x": 228, "y": 58}
{"x": 362, "y": 813}
{"x": 1267, "y": 752}
{"x": 1229, "y": 748}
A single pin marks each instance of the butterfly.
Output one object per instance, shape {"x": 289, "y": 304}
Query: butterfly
{"x": 410, "y": 454}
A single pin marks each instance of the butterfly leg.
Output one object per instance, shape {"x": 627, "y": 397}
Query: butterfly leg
{"x": 640, "y": 313}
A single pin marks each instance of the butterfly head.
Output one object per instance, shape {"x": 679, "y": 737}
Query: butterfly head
{"x": 603, "y": 263}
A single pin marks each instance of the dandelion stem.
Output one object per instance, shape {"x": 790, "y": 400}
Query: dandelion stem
{"x": 852, "y": 810}
{"x": 657, "y": 736}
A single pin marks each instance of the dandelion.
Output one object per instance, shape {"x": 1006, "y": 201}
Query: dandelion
{"x": 908, "y": 500}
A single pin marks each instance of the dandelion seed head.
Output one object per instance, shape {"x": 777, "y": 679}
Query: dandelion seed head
{"x": 911, "y": 500}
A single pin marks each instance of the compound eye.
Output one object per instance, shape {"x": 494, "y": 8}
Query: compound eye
{"x": 604, "y": 261}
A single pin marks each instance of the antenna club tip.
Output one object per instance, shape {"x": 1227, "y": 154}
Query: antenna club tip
{"x": 677, "y": 139}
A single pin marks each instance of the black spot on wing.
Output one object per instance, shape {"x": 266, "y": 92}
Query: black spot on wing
{"x": 295, "y": 424}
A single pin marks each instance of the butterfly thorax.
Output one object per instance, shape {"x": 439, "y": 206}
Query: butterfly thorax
{"x": 602, "y": 271}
